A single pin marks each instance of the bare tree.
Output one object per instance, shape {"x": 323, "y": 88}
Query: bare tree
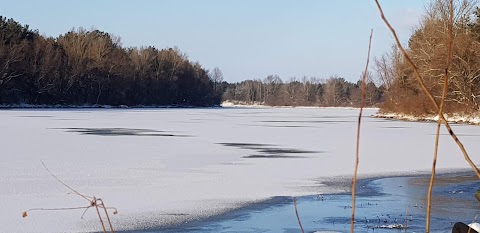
{"x": 335, "y": 91}
{"x": 388, "y": 67}
{"x": 426, "y": 48}
{"x": 217, "y": 77}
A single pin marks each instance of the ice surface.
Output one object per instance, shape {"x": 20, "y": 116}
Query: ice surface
{"x": 164, "y": 166}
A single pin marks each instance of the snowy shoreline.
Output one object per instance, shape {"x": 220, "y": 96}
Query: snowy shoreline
{"x": 228, "y": 104}
{"x": 455, "y": 118}
{"x": 225, "y": 104}
{"x": 96, "y": 106}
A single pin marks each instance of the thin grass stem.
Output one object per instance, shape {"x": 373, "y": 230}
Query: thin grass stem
{"x": 99, "y": 216}
{"x": 296, "y": 213}
{"x": 64, "y": 184}
{"x": 357, "y": 152}
{"x": 439, "y": 122}
{"x": 108, "y": 217}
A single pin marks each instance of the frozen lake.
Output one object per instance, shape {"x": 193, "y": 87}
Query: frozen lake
{"x": 167, "y": 166}
{"x": 381, "y": 203}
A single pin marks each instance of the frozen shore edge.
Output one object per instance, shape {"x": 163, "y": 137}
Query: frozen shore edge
{"x": 338, "y": 185}
{"x": 96, "y": 106}
{"x": 473, "y": 119}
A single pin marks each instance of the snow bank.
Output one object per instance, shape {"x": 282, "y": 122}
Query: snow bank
{"x": 242, "y": 104}
{"x": 473, "y": 119}
{"x": 164, "y": 166}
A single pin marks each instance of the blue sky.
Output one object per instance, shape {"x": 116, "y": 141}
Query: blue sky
{"x": 247, "y": 39}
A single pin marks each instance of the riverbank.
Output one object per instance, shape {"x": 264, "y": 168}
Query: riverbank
{"x": 473, "y": 119}
{"x": 238, "y": 104}
{"x": 97, "y": 106}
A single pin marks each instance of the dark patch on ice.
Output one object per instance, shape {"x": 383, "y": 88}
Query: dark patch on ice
{"x": 174, "y": 214}
{"x": 38, "y": 116}
{"x": 245, "y": 145}
{"x": 270, "y": 150}
{"x": 285, "y": 151}
{"x": 122, "y": 132}
{"x": 273, "y": 157}
{"x": 286, "y": 126}
{"x": 314, "y": 121}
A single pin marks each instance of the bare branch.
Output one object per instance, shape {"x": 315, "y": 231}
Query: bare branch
{"x": 357, "y": 152}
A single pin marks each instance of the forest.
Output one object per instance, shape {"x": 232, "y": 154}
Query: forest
{"x": 332, "y": 92}
{"x": 84, "y": 67}
{"x": 90, "y": 67}
{"x": 426, "y": 47}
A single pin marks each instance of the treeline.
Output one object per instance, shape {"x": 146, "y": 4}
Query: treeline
{"x": 333, "y": 92}
{"x": 91, "y": 67}
{"x": 427, "y": 48}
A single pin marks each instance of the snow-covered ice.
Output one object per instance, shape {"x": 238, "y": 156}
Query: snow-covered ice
{"x": 164, "y": 166}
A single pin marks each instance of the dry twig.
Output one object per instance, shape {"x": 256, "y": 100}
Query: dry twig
{"x": 440, "y": 113}
{"x": 296, "y": 213}
{"x": 357, "y": 153}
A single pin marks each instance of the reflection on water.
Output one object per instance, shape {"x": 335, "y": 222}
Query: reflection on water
{"x": 386, "y": 202}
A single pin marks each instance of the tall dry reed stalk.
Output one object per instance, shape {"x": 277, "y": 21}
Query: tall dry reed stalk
{"x": 357, "y": 151}
{"x": 296, "y": 213}
{"x": 440, "y": 113}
